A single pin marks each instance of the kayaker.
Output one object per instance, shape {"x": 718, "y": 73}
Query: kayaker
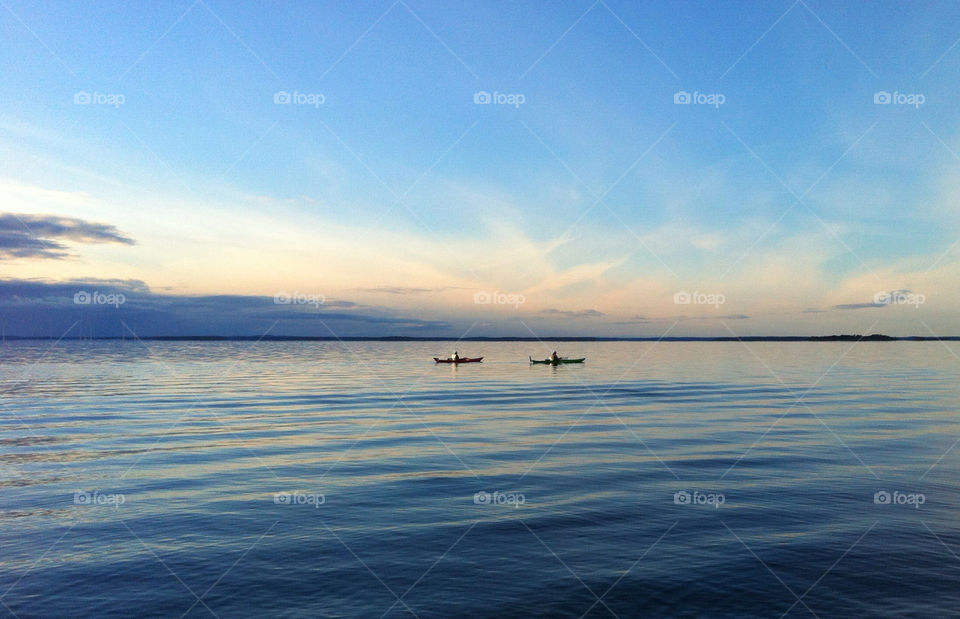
{"x": 455, "y": 356}
{"x": 553, "y": 357}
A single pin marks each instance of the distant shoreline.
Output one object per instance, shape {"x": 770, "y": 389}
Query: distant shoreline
{"x": 302, "y": 338}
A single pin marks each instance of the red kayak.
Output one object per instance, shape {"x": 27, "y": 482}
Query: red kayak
{"x": 460, "y": 360}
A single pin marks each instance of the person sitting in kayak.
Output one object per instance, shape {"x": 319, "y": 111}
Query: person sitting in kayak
{"x": 553, "y": 357}
{"x": 455, "y": 356}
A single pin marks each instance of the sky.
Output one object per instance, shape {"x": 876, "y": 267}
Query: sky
{"x": 204, "y": 167}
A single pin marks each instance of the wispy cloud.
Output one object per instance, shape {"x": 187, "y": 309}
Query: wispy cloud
{"x": 41, "y": 236}
{"x": 402, "y": 290}
{"x": 643, "y": 320}
{"x": 856, "y": 306}
{"x": 587, "y": 313}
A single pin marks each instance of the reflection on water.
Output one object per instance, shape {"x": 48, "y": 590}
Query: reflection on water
{"x": 664, "y": 479}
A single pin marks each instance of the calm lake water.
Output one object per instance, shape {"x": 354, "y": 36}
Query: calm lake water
{"x": 361, "y": 479}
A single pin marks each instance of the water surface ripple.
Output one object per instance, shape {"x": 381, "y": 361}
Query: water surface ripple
{"x": 361, "y": 479}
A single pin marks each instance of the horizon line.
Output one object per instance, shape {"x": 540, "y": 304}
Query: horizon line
{"x": 874, "y": 337}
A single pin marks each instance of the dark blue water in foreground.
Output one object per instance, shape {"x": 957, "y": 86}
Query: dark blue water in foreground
{"x": 672, "y": 479}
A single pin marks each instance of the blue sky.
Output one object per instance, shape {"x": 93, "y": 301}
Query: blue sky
{"x": 583, "y": 190}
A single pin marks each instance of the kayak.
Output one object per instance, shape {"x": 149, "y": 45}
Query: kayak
{"x": 460, "y": 360}
{"x": 558, "y": 361}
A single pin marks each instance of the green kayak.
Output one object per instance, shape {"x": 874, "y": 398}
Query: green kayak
{"x": 558, "y": 361}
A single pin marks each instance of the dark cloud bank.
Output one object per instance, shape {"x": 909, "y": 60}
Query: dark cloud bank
{"x": 115, "y": 308}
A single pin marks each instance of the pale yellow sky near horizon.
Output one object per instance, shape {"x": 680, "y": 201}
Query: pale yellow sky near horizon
{"x": 196, "y": 249}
